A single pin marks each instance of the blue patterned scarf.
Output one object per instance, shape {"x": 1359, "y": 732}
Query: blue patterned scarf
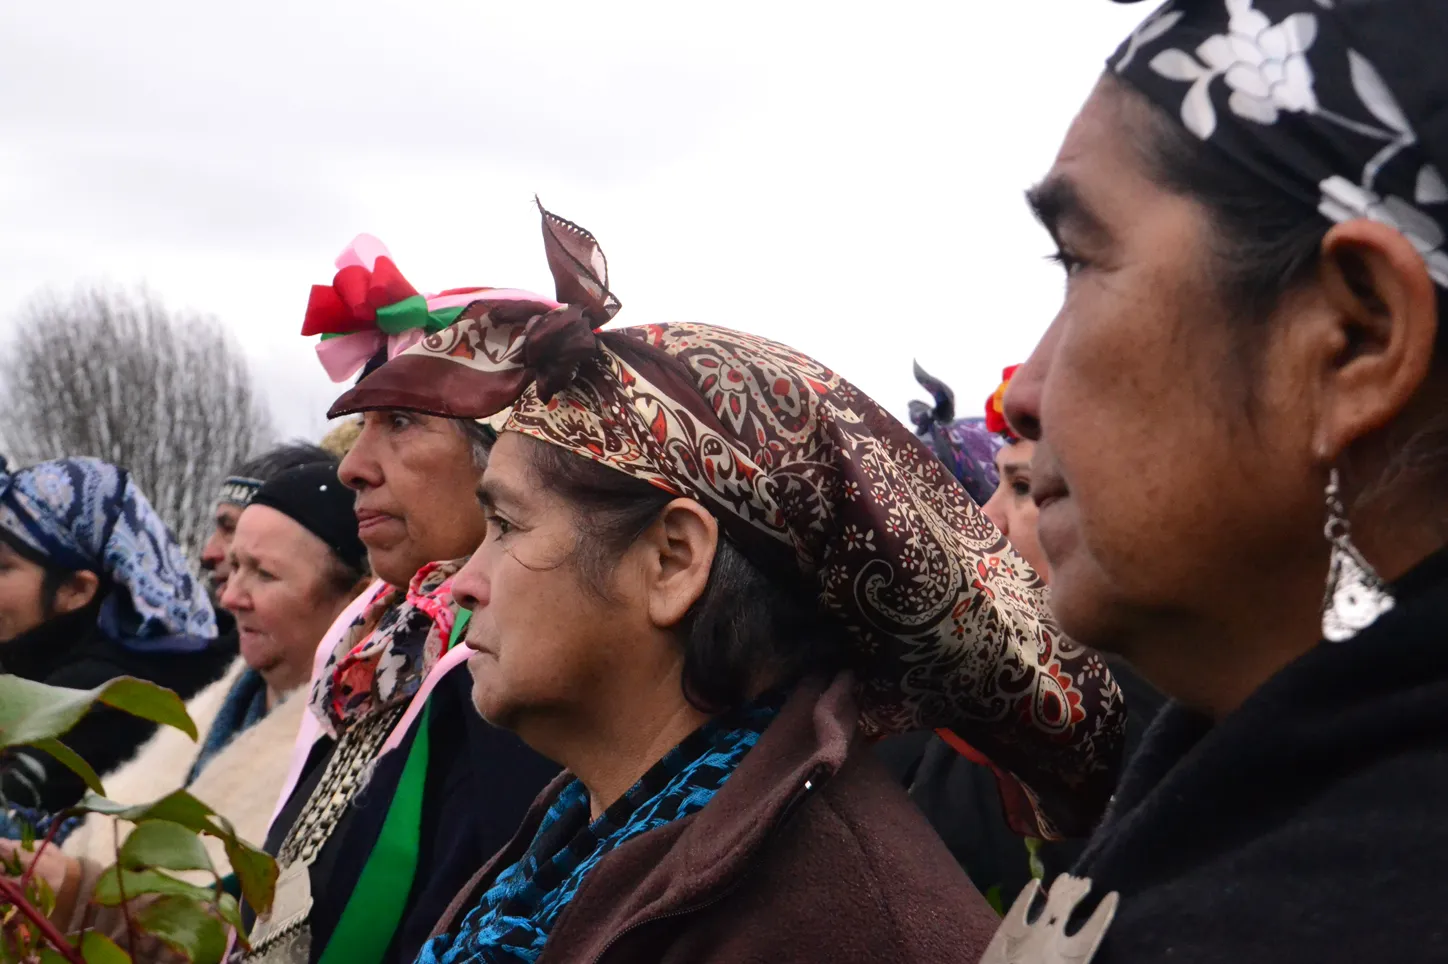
{"x": 512, "y": 922}
{"x": 244, "y": 707}
{"x": 83, "y": 513}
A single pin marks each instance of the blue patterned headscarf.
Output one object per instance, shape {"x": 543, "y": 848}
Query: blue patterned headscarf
{"x": 83, "y": 513}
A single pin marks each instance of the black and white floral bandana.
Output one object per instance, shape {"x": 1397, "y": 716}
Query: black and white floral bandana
{"x": 1343, "y": 103}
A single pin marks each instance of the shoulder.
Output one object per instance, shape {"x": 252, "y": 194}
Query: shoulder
{"x": 1349, "y": 868}
{"x": 876, "y": 872}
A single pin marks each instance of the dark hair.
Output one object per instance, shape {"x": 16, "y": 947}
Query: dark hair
{"x": 1265, "y": 242}
{"x": 341, "y": 576}
{"x": 746, "y": 629}
{"x": 480, "y": 440}
{"x": 274, "y": 462}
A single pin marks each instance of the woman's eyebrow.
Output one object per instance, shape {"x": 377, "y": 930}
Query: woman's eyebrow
{"x": 492, "y": 493}
{"x": 1057, "y": 203}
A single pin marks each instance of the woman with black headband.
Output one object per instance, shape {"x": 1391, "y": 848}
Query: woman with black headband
{"x": 1250, "y": 210}
{"x": 296, "y": 563}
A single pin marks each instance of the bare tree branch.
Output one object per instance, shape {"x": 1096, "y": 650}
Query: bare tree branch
{"x": 112, "y": 373}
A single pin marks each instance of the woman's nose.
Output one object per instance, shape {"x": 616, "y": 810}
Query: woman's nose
{"x": 231, "y": 595}
{"x": 1022, "y": 402}
{"x": 470, "y": 588}
{"x": 358, "y": 469}
{"x": 994, "y": 509}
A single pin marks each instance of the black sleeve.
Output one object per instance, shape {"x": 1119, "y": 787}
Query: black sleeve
{"x": 104, "y": 738}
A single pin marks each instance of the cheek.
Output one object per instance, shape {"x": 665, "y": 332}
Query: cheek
{"x": 19, "y": 600}
{"x": 278, "y": 608}
{"x": 1132, "y": 415}
{"x": 546, "y": 632}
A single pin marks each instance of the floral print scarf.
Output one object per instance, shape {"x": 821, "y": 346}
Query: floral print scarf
{"x": 384, "y": 656}
{"x": 1338, "y": 104}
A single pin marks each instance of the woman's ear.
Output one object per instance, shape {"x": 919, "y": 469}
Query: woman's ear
{"x": 680, "y": 546}
{"x": 1382, "y": 327}
{"x": 75, "y": 592}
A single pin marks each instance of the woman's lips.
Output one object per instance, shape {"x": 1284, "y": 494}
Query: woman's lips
{"x": 1043, "y": 494}
{"x": 368, "y": 520}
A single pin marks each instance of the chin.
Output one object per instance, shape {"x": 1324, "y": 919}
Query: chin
{"x": 1085, "y": 607}
{"x": 489, "y": 699}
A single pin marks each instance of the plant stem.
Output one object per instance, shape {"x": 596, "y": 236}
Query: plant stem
{"x": 55, "y": 823}
{"x": 14, "y": 895}
{"x": 121, "y": 888}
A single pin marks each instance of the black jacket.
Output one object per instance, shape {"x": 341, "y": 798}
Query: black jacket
{"x": 69, "y": 651}
{"x": 480, "y": 782}
{"x": 1308, "y": 825}
{"x": 963, "y": 804}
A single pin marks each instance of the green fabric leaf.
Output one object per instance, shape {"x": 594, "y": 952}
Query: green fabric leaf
{"x": 186, "y": 927}
{"x": 108, "y": 887}
{"x": 31, "y": 711}
{"x": 403, "y": 316}
{"x": 442, "y": 317}
{"x": 165, "y": 845}
{"x": 70, "y": 759}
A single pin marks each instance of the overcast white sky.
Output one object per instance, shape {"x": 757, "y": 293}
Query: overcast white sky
{"x": 846, "y": 182}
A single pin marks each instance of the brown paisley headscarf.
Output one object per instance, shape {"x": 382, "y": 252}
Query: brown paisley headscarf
{"x": 950, "y": 627}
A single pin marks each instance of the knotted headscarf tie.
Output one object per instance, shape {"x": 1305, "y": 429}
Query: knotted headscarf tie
{"x": 947, "y": 627}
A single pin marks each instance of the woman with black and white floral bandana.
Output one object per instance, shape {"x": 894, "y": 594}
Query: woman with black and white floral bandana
{"x": 1250, "y": 210}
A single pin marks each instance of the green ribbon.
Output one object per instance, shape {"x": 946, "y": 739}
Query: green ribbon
{"x": 374, "y": 910}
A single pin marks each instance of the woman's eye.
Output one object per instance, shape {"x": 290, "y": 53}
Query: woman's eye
{"x": 400, "y": 422}
{"x": 263, "y": 576}
{"x": 1022, "y": 488}
{"x": 1069, "y": 262}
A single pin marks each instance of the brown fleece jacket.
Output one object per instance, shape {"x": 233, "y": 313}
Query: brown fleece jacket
{"x": 810, "y": 852}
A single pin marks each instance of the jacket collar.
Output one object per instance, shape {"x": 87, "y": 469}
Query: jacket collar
{"x": 695, "y": 860}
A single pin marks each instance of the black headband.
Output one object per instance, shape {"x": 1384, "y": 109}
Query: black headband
{"x": 239, "y": 490}
{"x": 314, "y": 497}
{"x": 1341, "y": 104}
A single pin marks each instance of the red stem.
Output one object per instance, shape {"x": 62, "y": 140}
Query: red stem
{"x": 55, "y": 823}
{"x": 121, "y": 888}
{"x": 14, "y": 895}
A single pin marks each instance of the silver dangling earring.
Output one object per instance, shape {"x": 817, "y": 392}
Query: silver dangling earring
{"x": 1356, "y": 596}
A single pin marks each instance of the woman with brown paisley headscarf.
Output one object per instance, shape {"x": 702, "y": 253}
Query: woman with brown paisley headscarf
{"x": 713, "y": 569}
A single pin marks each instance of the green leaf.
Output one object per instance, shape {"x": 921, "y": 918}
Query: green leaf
{"x": 1033, "y": 851}
{"x": 95, "y": 948}
{"x": 109, "y": 887}
{"x": 230, "y": 912}
{"x": 31, "y": 711}
{"x": 164, "y": 844}
{"x": 68, "y": 758}
{"x": 185, "y": 926}
{"x": 996, "y": 900}
{"x": 178, "y": 807}
{"x": 255, "y": 870}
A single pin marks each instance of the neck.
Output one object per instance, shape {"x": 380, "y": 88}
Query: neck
{"x": 280, "y": 681}
{"x": 1214, "y": 662}
{"x": 611, "y": 746}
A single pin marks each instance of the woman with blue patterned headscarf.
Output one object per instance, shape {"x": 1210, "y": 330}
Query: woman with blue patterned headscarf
{"x": 93, "y": 586}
